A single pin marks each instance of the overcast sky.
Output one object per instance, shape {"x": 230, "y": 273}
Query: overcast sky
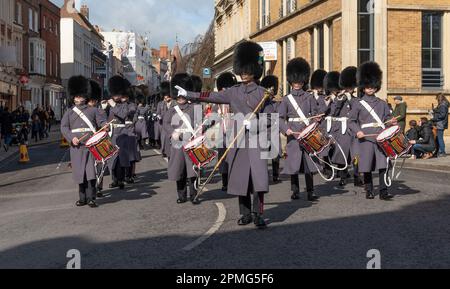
{"x": 161, "y": 19}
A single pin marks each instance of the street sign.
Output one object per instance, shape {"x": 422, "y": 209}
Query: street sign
{"x": 207, "y": 73}
{"x": 270, "y": 50}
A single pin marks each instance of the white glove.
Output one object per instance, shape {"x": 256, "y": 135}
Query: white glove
{"x": 104, "y": 105}
{"x": 181, "y": 91}
{"x": 112, "y": 103}
{"x": 247, "y": 124}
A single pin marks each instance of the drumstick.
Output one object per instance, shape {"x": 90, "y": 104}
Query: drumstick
{"x": 309, "y": 118}
{"x": 392, "y": 120}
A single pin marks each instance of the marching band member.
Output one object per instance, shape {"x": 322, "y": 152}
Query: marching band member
{"x": 317, "y": 90}
{"x": 368, "y": 117}
{"x": 294, "y": 111}
{"x": 337, "y": 124}
{"x": 163, "y": 106}
{"x": 248, "y": 172}
{"x": 141, "y": 123}
{"x": 269, "y": 82}
{"x": 179, "y": 125}
{"x": 118, "y": 111}
{"x": 349, "y": 84}
{"x": 133, "y": 148}
{"x": 76, "y": 122}
{"x": 224, "y": 81}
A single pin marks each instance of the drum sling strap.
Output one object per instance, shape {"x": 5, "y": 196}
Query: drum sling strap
{"x": 298, "y": 109}
{"x": 373, "y": 113}
{"x": 184, "y": 119}
{"x": 84, "y": 118}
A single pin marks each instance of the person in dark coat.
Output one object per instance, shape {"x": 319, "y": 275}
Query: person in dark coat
{"x": 76, "y": 122}
{"x": 181, "y": 168}
{"x": 248, "y": 171}
{"x": 224, "y": 81}
{"x": 400, "y": 111}
{"x": 271, "y": 82}
{"x": 368, "y": 118}
{"x": 134, "y": 154}
{"x": 348, "y": 84}
{"x": 119, "y": 111}
{"x": 413, "y": 132}
{"x": 292, "y": 122}
{"x": 163, "y": 107}
{"x": 425, "y": 146}
{"x": 440, "y": 118}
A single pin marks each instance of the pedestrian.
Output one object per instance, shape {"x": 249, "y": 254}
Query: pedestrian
{"x": 76, "y": 122}
{"x": 35, "y": 127}
{"x": 368, "y": 118}
{"x": 51, "y": 117}
{"x": 400, "y": 112}
{"x": 248, "y": 171}
{"x": 413, "y": 132}
{"x": 440, "y": 118}
{"x": 6, "y": 128}
{"x": 425, "y": 146}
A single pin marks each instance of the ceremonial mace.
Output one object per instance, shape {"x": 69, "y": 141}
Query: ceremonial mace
{"x": 267, "y": 94}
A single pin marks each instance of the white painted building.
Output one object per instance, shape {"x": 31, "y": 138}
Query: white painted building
{"x": 136, "y": 56}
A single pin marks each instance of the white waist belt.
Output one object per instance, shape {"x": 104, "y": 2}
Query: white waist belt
{"x": 296, "y": 120}
{"x": 81, "y": 130}
{"x": 368, "y": 125}
{"x": 128, "y": 123}
{"x": 342, "y": 120}
{"x": 179, "y": 130}
{"x": 141, "y": 117}
{"x": 119, "y": 126}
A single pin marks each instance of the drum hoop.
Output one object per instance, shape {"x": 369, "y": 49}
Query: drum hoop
{"x": 314, "y": 125}
{"x": 105, "y": 135}
{"x": 391, "y": 136}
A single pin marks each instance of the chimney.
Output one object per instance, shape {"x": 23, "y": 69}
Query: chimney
{"x": 85, "y": 11}
{"x": 164, "y": 51}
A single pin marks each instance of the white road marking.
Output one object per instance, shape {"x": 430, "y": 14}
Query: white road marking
{"x": 214, "y": 228}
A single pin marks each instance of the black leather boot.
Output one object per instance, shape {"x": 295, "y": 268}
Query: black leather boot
{"x": 312, "y": 197}
{"x": 295, "y": 196}
{"x": 259, "y": 222}
{"x": 245, "y": 220}
{"x": 370, "y": 195}
{"x": 385, "y": 196}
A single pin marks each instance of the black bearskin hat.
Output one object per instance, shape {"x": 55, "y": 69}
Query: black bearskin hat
{"x": 348, "y": 78}
{"x": 140, "y": 99}
{"x": 331, "y": 82}
{"x": 249, "y": 59}
{"x": 118, "y": 85}
{"x": 226, "y": 80}
{"x": 197, "y": 82}
{"x": 370, "y": 76}
{"x": 183, "y": 80}
{"x": 79, "y": 86}
{"x": 317, "y": 79}
{"x": 298, "y": 71}
{"x": 165, "y": 89}
{"x": 270, "y": 81}
{"x": 96, "y": 91}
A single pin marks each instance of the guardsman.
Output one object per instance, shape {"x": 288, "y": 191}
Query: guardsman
{"x": 118, "y": 111}
{"x": 163, "y": 107}
{"x": 143, "y": 111}
{"x": 368, "y": 118}
{"x": 134, "y": 154}
{"x": 271, "y": 82}
{"x": 348, "y": 85}
{"x": 75, "y": 124}
{"x": 179, "y": 125}
{"x": 295, "y": 111}
{"x": 248, "y": 170}
{"x": 224, "y": 81}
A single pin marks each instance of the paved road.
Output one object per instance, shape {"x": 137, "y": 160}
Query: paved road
{"x": 143, "y": 227}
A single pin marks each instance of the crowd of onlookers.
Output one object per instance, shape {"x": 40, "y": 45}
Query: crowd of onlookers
{"x": 17, "y": 125}
{"x": 427, "y": 134}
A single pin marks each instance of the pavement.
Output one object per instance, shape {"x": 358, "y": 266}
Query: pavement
{"x": 143, "y": 227}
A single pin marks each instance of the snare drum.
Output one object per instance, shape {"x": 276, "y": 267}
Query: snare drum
{"x": 393, "y": 142}
{"x": 101, "y": 147}
{"x": 314, "y": 140}
{"x": 200, "y": 155}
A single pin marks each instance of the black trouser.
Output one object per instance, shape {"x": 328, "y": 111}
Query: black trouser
{"x": 276, "y": 167}
{"x": 295, "y": 183}
{"x": 118, "y": 173}
{"x": 225, "y": 180}
{"x": 368, "y": 180}
{"x": 182, "y": 187}
{"x": 87, "y": 190}
{"x": 245, "y": 202}
{"x": 343, "y": 174}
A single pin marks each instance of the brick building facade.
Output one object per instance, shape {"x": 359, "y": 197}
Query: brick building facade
{"x": 408, "y": 38}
